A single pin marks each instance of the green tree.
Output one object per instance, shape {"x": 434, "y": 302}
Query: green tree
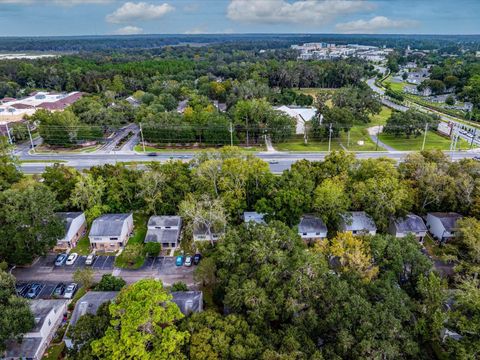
{"x": 8, "y": 170}
{"x": 217, "y": 337}
{"x": 109, "y": 282}
{"x": 88, "y": 328}
{"x": 29, "y": 226}
{"x": 179, "y": 286}
{"x": 143, "y": 325}
{"x": 16, "y": 318}
{"x": 409, "y": 123}
{"x": 330, "y": 201}
{"x": 468, "y": 230}
{"x": 61, "y": 180}
{"x": 84, "y": 277}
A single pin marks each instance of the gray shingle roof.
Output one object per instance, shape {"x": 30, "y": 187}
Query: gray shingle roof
{"x": 162, "y": 235}
{"x": 410, "y": 223}
{"x": 188, "y": 301}
{"x": 164, "y": 221}
{"x": 357, "y": 221}
{"x": 108, "y": 225}
{"x": 448, "y": 219}
{"x": 311, "y": 224}
{"x": 253, "y": 216}
{"x": 68, "y": 217}
{"x": 90, "y": 302}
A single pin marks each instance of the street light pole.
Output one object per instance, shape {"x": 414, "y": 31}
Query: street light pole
{"x": 141, "y": 134}
{"x": 329, "y": 137}
{"x": 31, "y": 139}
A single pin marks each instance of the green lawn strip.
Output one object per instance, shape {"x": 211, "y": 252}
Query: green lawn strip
{"x": 83, "y": 246}
{"x": 54, "y": 351}
{"x": 432, "y": 142}
{"x": 140, "y": 230}
{"x": 139, "y": 148}
{"x": 395, "y": 86}
{"x": 312, "y": 145}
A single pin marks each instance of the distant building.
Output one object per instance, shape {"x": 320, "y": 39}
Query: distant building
{"x": 302, "y": 115}
{"x": 443, "y": 225}
{"x": 88, "y": 304}
{"x": 110, "y": 232}
{"x": 358, "y": 223}
{"x": 48, "y": 316}
{"x": 188, "y": 301}
{"x": 132, "y": 101}
{"x": 16, "y": 109}
{"x": 75, "y": 226}
{"x": 201, "y": 233}
{"x": 164, "y": 230}
{"x": 410, "y": 224}
{"x": 253, "y": 217}
{"x": 182, "y": 105}
{"x": 311, "y": 229}
{"x": 222, "y": 107}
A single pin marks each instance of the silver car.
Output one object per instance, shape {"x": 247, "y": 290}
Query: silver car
{"x": 70, "y": 291}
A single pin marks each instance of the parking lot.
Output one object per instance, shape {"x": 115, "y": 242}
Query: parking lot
{"x": 47, "y": 288}
{"x": 44, "y": 271}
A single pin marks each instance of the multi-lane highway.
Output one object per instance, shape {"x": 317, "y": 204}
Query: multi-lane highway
{"x": 279, "y": 161}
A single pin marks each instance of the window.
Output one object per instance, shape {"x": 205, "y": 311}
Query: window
{"x": 49, "y": 322}
{"x": 354, "y": 231}
{"x": 317, "y": 233}
{"x": 114, "y": 238}
{"x": 304, "y": 234}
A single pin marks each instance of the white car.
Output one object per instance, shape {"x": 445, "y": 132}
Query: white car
{"x": 188, "y": 261}
{"x": 90, "y": 259}
{"x": 71, "y": 258}
{"x": 70, "y": 291}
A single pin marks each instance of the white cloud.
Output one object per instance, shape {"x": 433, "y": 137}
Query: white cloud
{"x": 129, "y": 30}
{"x": 299, "y": 12}
{"x": 376, "y": 24}
{"x": 138, "y": 11}
{"x": 56, "y": 2}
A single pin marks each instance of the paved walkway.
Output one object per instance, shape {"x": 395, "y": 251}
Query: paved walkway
{"x": 373, "y": 132}
{"x": 268, "y": 144}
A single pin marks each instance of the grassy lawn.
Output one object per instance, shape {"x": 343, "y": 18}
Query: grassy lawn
{"x": 433, "y": 142}
{"x": 54, "y": 352}
{"x": 140, "y": 229}
{"x": 133, "y": 257}
{"x": 395, "y": 86}
{"x": 380, "y": 118}
{"x": 83, "y": 246}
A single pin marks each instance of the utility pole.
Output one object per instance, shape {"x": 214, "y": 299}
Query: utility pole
{"x": 30, "y": 135}
{"x": 425, "y": 136}
{"x": 246, "y": 121}
{"x": 348, "y": 139}
{"x": 329, "y": 137}
{"x": 141, "y": 134}
{"x": 231, "y": 134}
{"x": 473, "y": 137}
{"x": 10, "y": 141}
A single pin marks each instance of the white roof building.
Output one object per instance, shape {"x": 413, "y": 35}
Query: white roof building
{"x": 301, "y": 114}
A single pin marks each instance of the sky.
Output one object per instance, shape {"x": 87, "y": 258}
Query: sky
{"x": 106, "y": 17}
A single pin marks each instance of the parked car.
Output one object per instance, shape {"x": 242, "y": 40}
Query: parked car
{"x": 70, "y": 291}
{"x": 273, "y": 162}
{"x": 90, "y": 259}
{"x": 197, "y": 258}
{"x": 152, "y": 154}
{"x": 34, "y": 290}
{"x": 71, "y": 259}
{"x": 188, "y": 261}
{"x": 59, "y": 290}
{"x": 179, "y": 260}
{"x": 60, "y": 260}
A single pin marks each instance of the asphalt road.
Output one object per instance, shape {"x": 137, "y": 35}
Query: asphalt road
{"x": 279, "y": 161}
